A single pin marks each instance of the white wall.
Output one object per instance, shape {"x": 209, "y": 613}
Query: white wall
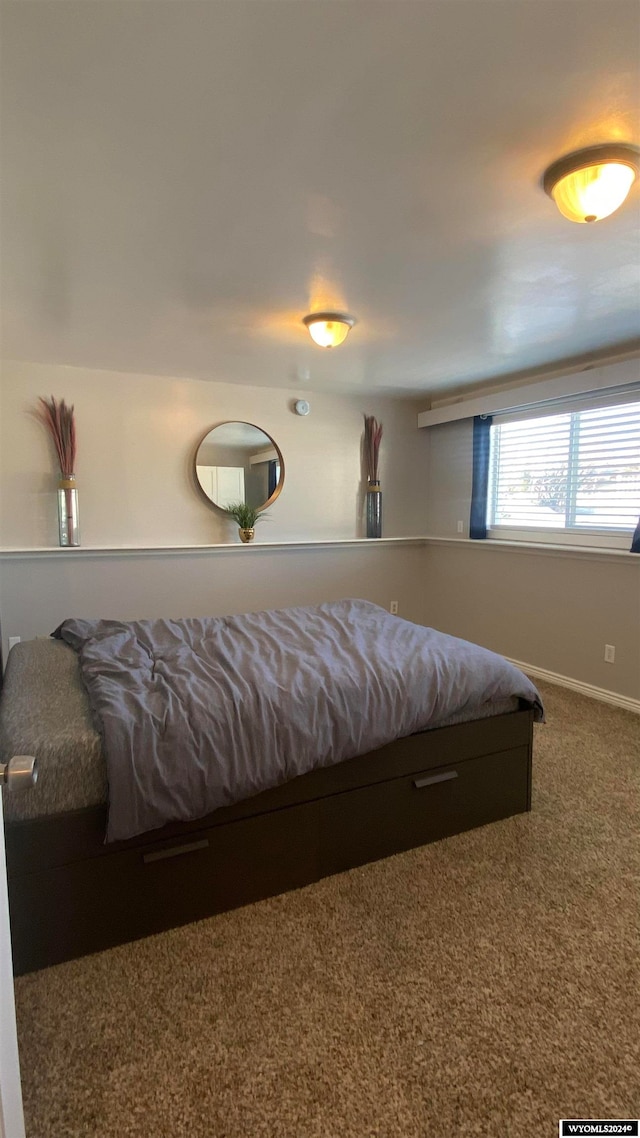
{"x": 450, "y": 470}
{"x": 136, "y": 442}
{"x": 551, "y": 611}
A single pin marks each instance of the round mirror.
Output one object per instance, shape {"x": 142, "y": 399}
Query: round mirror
{"x": 237, "y": 462}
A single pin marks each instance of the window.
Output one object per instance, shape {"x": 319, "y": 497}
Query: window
{"x": 576, "y": 471}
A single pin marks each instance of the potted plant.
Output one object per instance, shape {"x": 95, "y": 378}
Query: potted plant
{"x": 246, "y": 517}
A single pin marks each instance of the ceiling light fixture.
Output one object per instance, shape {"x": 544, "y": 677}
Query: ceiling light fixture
{"x": 590, "y": 184}
{"x": 329, "y": 329}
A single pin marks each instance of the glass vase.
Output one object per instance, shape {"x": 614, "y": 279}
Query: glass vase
{"x": 68, "y": 516}
{"x": 374, "y": 509}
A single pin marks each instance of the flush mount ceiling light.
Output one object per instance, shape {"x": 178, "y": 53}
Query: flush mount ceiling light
{"x": 329, "y": 329}
{"x": 591, "y": 184}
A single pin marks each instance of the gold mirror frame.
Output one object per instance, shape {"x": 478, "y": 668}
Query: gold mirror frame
{"x": 245, "y": 423}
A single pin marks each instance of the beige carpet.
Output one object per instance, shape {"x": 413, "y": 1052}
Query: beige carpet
{"x": 483, "y": 985}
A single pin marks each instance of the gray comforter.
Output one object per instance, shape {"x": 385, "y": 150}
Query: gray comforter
{"x": 198, "y": 714}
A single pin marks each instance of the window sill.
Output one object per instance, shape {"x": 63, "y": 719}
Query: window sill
{"x": 545, "y": 549}
{"x": 619, "y": 540}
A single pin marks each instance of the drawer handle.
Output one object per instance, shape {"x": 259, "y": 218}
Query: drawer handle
{"x": 175, "y": 851}
{"x": 446, "y": 777}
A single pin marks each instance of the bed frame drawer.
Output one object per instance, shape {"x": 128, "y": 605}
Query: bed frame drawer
{"x": 376, "y": 821}
{"x": 100, "y": 902}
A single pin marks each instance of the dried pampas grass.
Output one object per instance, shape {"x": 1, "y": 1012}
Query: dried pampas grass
{"x": 372, "y": 437}
{"x": 59, "y": 420}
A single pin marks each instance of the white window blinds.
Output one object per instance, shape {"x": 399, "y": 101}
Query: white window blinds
{"x": 577, "y": 470}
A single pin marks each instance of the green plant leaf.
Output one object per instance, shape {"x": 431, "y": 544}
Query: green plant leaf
{"x": 243, "y": 514}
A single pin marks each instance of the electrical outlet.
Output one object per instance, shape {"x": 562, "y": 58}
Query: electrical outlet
{"x": 13, "y": 640}
{"x": 460, "y": 527}
{"x": 609, "y": 654}
{"x": 393, "y": 608}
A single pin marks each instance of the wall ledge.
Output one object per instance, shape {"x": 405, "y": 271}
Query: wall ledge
{"x": 543, "y": 549}
{"x": 83, "y": 551}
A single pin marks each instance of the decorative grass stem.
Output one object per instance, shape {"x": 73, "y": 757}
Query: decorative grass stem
{"x": 372, "y": 439}
{"x": 59, "y": 420}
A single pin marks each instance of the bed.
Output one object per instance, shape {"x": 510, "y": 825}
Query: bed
{"x": 71, "y": 892}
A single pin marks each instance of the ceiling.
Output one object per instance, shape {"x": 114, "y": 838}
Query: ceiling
{"x": 184, "y": 180}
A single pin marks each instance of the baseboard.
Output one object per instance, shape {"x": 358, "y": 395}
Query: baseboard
{"x": 613, "y": 697}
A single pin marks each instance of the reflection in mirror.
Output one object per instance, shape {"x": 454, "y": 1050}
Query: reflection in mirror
{"x": 237, "y": 462}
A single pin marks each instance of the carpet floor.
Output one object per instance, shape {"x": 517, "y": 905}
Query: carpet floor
{"x": 482, "y": 985}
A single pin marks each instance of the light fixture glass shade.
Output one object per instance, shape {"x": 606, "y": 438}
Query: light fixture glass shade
{"x": 591, "y": 184}
{"x": 589, "y": 195}
{"x": 328, "y": 329}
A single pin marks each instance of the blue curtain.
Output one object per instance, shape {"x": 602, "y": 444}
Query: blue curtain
{"x": 635, "y": 540}
{"x": 480, "y": 484}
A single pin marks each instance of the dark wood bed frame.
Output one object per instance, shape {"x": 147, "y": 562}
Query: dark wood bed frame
{"x": 69, "y": 894}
